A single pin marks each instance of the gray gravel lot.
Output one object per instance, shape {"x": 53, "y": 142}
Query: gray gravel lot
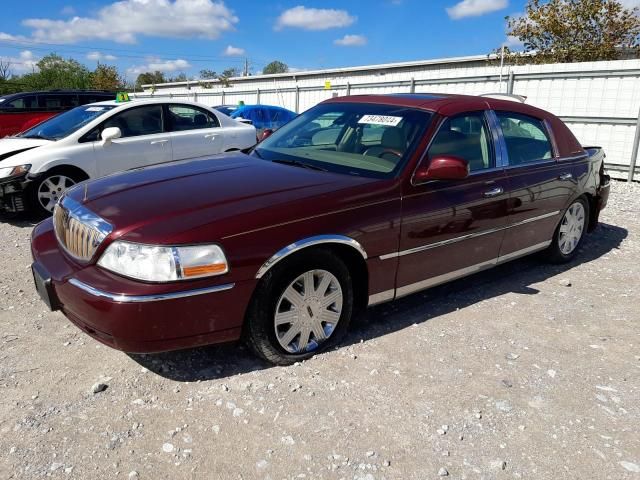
{"x": 526, "y": 371}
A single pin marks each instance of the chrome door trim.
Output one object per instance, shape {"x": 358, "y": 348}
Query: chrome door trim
{"x": 465, "y": 237}
{"x": 525, "y": 251}
{"x": 381, "y": 297}
{"x": 122, "y": 298}
{"x": 308, "y": 242}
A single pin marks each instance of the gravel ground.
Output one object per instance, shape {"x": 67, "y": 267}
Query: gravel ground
{"x": 526, "y": 371}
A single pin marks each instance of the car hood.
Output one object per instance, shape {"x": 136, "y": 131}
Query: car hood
{"x": 14, "y": 145}
{"x": 206, "y": 199}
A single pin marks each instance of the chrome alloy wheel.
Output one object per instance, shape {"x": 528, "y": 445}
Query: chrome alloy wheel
{"x": 308, "y": 311}
{"x": 51, "y": 189}
{"x": 571, "y": 228}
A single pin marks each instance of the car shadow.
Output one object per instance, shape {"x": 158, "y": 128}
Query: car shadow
{"x": 21, "y": 220}
{"x": 519, "y": 276}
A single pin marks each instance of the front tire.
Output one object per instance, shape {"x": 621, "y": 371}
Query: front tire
{"x": 46, "y": 192}
{"x": 303, "y": 306}
{"x": 570, "y": 232}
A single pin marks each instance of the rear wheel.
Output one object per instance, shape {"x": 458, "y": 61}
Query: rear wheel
{"x": 302, "y": 306}
{"x": 570, "y": 232}
{"x": 47, "y": 191}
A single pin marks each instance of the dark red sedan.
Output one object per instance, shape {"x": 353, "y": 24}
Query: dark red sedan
{"x": 360, "y": 200}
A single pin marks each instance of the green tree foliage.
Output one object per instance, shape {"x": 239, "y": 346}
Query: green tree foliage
{"x": 57, "y": 72}
{"x": 575, "y": 31}
{"x": 106, "y": 77}
{"x": 150, "y": 78}
{"x": 207, "y": 74}
{"x": 275, "y": 67}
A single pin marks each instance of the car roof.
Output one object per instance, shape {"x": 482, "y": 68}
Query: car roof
{"x": 442, "y": 103}
{"x": 273, "y": 107}
{"x": 59, "y": 92}
{"x": 147, "y": 101}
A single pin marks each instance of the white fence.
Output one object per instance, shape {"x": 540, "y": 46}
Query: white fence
{"x": 600, "y": 101}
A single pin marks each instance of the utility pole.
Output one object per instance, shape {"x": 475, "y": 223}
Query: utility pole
{"x": 246, "y": 67}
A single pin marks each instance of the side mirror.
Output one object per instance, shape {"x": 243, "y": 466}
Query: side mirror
{"x": 443, "y": 168}
{"x": 244, "y": 120}
{"x": 266, "y": 133}
{"x": 109, "y": 134}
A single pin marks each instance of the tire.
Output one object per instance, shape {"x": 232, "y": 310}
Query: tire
{"x": 48, "y": 190}
{"x": 321, "y": 314}
{"x": 570, "y": 232}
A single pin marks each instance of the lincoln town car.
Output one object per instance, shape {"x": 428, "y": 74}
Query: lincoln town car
{"x": 359, "y": 200}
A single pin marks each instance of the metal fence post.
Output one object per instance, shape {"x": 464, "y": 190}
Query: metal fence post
{"x": 348, "y": 88}
{"x": 634, "y": 151}
{"x": 510, "y": 82}
{"x": 257, "y": 95}
{"x": 297, "y": 99}
{"x": 222, "y": 99}
{"x": 412, "y": 88}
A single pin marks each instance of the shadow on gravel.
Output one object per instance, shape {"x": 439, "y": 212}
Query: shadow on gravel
{"x": 21, "y": 220}
{"x": 215, "y": 362}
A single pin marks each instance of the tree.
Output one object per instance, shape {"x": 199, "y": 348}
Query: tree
{"x": 57, "y": 72}
{"x": 150, "y": 78}
{"x": 207, "y": 74}
{"x": 5, "y": 71}
{"x": 576, "y": 30}
{"x": 106, "y": 77}
{"x": 181, "y": 77}
{"x": 275, "y": 67}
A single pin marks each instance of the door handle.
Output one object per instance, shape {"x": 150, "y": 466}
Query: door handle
{"x": 211, "y": 135}
{"x": 159, "y": 142}
{"x": 565, "y": 176}
{"x": 494, "y": 192}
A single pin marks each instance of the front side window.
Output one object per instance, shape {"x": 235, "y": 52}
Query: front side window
{"x": 467, "y": 137}
{"x": 66, "y": 123}
{"x": 526, "y": 138}
{"x": 137, "y": 121}
{"x": 28, "y": 102}
{"x": 186, "y": 117}
{"x": 57, "y": 102}
{"x": 353, "y": 138}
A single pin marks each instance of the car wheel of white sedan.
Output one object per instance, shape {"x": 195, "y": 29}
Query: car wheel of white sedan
{"x": 50, "y": 189}
{"x": 570, "y": 232}
{"x": 302, "y": 306}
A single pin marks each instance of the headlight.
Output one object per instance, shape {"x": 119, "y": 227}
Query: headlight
{"x": 155, "y": 263}
{"x": 9, "y": 172}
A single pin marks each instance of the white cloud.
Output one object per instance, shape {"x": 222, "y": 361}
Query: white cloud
{"x": 99, "y": 56}
{"x": 314, "y": 18}
{"x": 475, "y": 8}
{"x": 24, "y": 63}
{"x": 351, "y": 41}
{"x": 124, "y": 20}
{"x": 232, "y": 51}
{"x": 630, "y": 3}
{"x": 154, "y": 64}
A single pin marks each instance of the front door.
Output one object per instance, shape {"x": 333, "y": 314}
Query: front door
{"x": 143, "y": 141}
{"x": 540, "y": 185}
{"x": 454, "y": 228}
{"x": 195, "y": 132}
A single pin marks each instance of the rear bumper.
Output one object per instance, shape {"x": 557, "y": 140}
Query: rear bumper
{"x": 136, "y": 317}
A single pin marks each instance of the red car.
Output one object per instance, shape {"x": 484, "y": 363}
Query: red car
{"x": 360, "y": 200}
{"x": 20, "y": 111}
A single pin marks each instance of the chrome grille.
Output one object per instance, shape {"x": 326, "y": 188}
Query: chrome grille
{"x": 78, "y": 230}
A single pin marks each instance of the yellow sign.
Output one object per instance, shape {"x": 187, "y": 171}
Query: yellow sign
{"x": 327, "y": 84}
{"x": 122, "y": 97}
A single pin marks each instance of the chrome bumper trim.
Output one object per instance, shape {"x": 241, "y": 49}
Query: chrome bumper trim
{"x": 121, "y": 298}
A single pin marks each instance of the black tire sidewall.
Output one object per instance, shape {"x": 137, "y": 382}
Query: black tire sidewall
{"x": 260, "y": 330}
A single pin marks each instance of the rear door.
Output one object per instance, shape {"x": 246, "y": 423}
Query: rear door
{"x": 540, "y": 186}
{"x": 195, "y": 132}
{"x": 454, "y": 228}
{"x": 143, "y": 142}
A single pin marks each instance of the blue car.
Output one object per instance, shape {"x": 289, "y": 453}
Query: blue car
{"x": 264, "y": 116}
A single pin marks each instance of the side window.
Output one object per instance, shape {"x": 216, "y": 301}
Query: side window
{"x": 526, "y": 138}
{"x": 28, "y": 102}
{"x": 137, "y": 121}
{"x": 57, "y": 102}
{"x": 465, "y": 136}
{"x": 186, "y": 117}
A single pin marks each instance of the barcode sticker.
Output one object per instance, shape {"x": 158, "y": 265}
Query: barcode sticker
{"x": 380, "y": 120}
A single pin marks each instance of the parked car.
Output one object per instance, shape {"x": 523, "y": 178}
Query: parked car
{"x": 263, "y": 117}
{"x": 384, "y": 196}
{"x": 226, "y": 109}
{"x": 20, "y": 111}
{"x": 98, "y": 139}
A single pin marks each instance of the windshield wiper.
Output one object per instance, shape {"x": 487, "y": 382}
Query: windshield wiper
{"x": 297, "y": 163}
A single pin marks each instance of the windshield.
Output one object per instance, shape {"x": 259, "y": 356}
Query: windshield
{"x": 354, "y": 138}
{"x": 226, "y": 110}
{"x": 66, "y": 123}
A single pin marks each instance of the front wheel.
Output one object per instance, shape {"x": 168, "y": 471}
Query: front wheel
{"x": 47, "y": 191}
{"x": 302, "y": 306}
{"x": 570, "y": 232}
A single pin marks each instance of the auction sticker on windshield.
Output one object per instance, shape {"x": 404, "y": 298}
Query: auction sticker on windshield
{"x": 388, "y": 120}
{"x": 95, "y": 109}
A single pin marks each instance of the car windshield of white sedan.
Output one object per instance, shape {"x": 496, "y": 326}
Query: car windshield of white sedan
{"x": 354, "y": 138}
{"x": 66, "y": 123}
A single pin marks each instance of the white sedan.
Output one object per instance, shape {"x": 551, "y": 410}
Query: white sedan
{"x": 94, "y": 140}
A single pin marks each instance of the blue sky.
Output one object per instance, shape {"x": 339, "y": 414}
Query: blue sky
{"x": 189, "y": 35}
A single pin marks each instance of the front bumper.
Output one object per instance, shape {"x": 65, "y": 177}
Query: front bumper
{"x": 13, "y": 198}
{"x": 132, "y": 316}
